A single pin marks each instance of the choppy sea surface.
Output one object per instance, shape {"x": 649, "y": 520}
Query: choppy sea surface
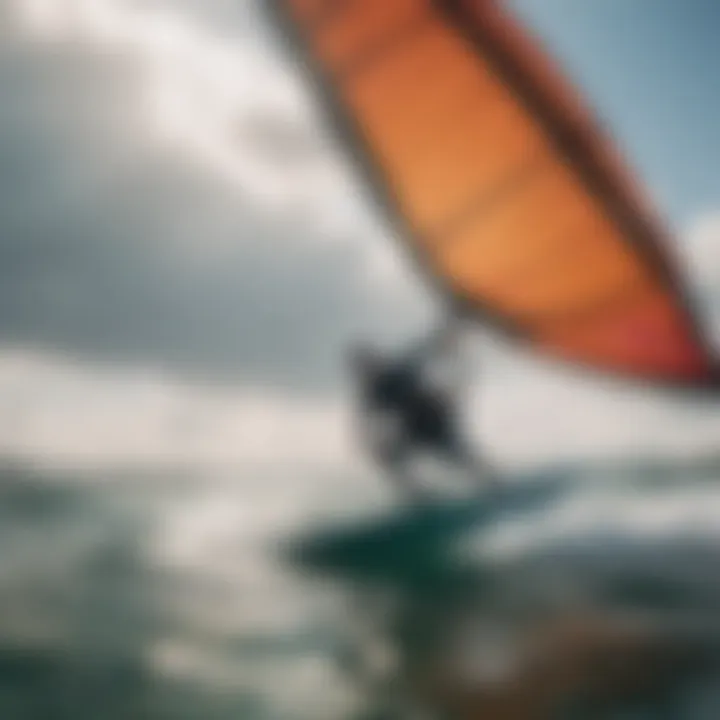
{"x": 148, "y": 594}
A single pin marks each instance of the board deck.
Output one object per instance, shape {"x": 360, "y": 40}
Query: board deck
{"x": 403, "y": 538}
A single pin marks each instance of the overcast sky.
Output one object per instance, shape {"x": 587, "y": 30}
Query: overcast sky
{"x": 184, "y": 251}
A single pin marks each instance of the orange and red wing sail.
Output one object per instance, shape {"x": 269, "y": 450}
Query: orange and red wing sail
{"x": 500, "y": 181}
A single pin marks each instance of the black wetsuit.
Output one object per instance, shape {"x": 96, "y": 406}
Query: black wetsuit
{"x": 426, "y": 415}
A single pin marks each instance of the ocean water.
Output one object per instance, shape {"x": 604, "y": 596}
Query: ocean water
{"x": 147, "y": 594}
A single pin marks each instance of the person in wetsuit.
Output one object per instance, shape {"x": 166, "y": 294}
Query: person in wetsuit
{"x": 406, "y": 408}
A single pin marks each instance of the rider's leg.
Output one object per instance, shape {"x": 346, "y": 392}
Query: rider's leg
{"x": 395, "y": 461}
{"x": 458, "y": 451}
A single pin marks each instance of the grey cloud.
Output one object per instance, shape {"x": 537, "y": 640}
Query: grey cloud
{"x": 95, "y": 227}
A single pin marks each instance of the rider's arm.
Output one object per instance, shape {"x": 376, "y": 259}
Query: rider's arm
{"x": 440, "y": 361}
{"x": 457, "y": 371}
{"x": 436, "y": 346}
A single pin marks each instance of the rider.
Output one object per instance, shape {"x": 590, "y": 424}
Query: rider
{"x": 404, "y": 409}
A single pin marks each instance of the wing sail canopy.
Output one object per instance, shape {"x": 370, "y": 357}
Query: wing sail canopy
{"x": 501, "y": 182}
